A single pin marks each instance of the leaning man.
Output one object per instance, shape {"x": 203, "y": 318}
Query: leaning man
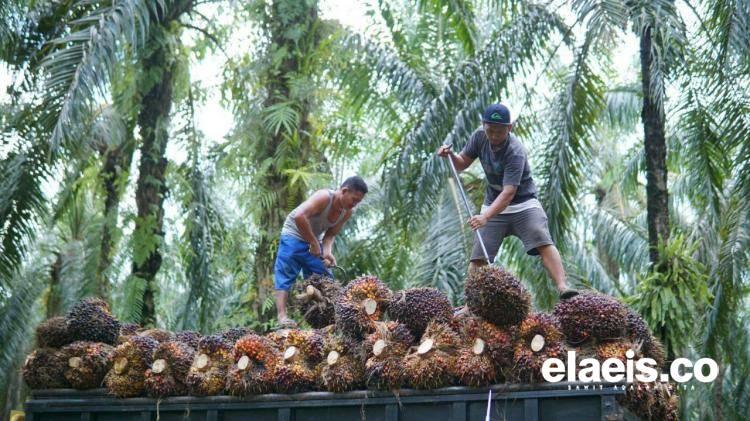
{"x": 510, "y": 202}
{"x": 306, "y": 242}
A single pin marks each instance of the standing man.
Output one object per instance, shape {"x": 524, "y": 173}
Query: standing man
{"x": 510, "y": 204}
{"x": 306, "y": 242}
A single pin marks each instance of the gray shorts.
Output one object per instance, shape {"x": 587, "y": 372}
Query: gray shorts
{"x": 529, "y": 225}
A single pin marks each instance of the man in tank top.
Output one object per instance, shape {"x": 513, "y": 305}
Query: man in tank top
{"x": 306, "y": 242}
{"x": 510, "y": 204}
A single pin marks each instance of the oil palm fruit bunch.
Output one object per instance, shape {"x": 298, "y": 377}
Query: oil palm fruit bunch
{"x": 90, "y": 320}
{"x": 617, "y": 349}
{"x": 474, "y": 367}
{"x": 253, "y": 360}
{"x": 293, "y": 375}
{"x": 188, "y": 337}
{"x": 638, "y": 332}
{"x": 315, "y": 300}
{"x": 433, "y": 363}
{"x": 591, "y": 315}
{"x": 498, "y": 343}
{"x": 159, "y": 335}
{"x": 342, "y": 368}
{"x": 308, "y": 343}
{"x": 207, "y": 375}
{"x": 130, "y": 361}
{"x": 231, "y": 335}
{"x": 127, "y": 330}
{"x": 53, "y": 333}
{"x": 361, "y": 303}
{"x": 384, "y": 350}
{"x": 417, "y": 307}
{"x": 86, "y": 363}
{"x": 45, "y": 369}
{"x": 539, "y": 338}
{"x": 302, "y": 352}
{"x": 167, "y": 374}
{"x": 651, "y": 401}
{"x": 497, "y": 296}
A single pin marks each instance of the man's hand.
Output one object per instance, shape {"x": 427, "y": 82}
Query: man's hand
{"x": 477, "y": 221}
{"x": 315, "y": 249}
{"x": 444, "y": 151}
{"x": 328, "y": 259}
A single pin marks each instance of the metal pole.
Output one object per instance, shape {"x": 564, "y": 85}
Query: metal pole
{"x": 466, "y": 204}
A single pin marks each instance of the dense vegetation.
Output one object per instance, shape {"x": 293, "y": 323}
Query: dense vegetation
{"x": 635, "y": 114}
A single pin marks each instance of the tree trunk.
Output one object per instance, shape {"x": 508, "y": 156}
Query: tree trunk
{"x": 657, "y": 203}
{"x": 287, "y": 196}
{"x": 54, "y": 305}
{"x": 116, "y": 166}
{"x": 153, "y": 120}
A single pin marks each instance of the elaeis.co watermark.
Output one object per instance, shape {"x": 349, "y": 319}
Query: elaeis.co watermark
{"x": 613, "y": 370}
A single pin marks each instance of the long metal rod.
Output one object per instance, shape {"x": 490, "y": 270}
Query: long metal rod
{"x": 466, "y": 204}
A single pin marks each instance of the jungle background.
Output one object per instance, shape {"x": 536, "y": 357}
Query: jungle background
{"x": 115, "y": 183}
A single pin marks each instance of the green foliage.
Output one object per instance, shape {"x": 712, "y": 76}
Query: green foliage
{"x": 673, "y": 296}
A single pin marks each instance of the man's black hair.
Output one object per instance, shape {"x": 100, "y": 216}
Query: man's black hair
{"x": 355, "y": 183}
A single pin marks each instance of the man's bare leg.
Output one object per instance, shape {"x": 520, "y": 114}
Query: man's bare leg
{"x": 553, "y": 263}
{"x": 281, "y": 299}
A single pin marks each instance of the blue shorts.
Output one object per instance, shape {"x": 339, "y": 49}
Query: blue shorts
{"x": 294, "y": 255}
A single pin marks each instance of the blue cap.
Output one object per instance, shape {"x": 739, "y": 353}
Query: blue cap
{"x": 496, "y": 114}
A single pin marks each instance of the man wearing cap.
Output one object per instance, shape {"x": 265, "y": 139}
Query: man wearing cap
{"x": 510, "y": 203}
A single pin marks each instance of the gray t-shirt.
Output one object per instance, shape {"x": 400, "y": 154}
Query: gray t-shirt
{"x": 507, "y": 165}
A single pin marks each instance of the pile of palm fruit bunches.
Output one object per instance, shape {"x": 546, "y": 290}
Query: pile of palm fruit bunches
{"x": 362, "y": 336}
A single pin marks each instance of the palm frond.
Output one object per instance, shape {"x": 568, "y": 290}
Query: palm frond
{"x": 21, "y": 200}
{"x": 78, "y": 74}
{"x": 414, "y": 176}
{"x": 574, "y": 116}
{"x": 460, "y": 16}
{"x": 441, "y": 259}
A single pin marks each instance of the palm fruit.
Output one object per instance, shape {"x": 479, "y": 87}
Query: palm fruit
{"x": 651, "y": 401}
{"x": 497, "y": 296}
{"x": 433, "y": 363}
{"x": 293, "y": 376}
{"x": 90, "y": 320}
{"x": 129, "y": 329}
{"x": 166, "y": 376}
{"x": 278, "y": 337}
{"x": 361, "y": 303}
{"x": 417, "y": 307}
{"x": 474, "y": 367}
{"x": 159, "y": 335}
{"x": 617, "y": 349}
{"x": 302, "y": 352}
{"x": 315, "y": 300}
{"x": 591, "y": 316}
{"x": 188, "y": 337}
{"x": 86, "y": 363}
{"x": 384, "y": 351}
{"x": 309, "y": 344}
{"x": 539, "y": 338}
{"x": 343, "y": 368}
{"x": 44, "y": 369}
{"x": 254, "y": 358}
{"x": 207, "y": 375}
{"x": 499, "y": 343}
{"x": 130, "y": 361}
{"x": 235, "y": 333}
{"x": 638, "y": 332}
{"x": 53, "y": 333}
{"x": 654, "y": 349}
{"x": 126, "y": 331}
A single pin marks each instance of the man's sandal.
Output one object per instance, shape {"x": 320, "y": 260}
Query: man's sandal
{"x": 568, "y": 293}
{"x": 287, "y": 324}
